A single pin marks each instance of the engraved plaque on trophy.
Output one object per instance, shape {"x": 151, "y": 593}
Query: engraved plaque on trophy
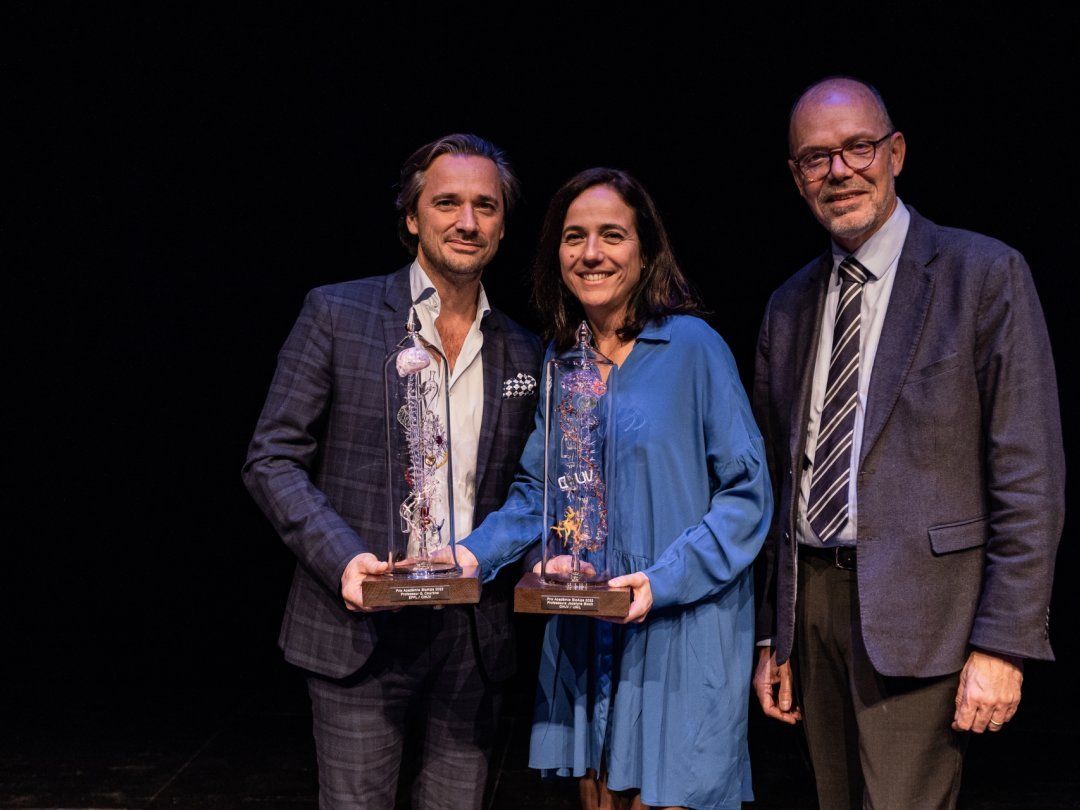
{"x": 579, "y": 478}
{"x": 421, "y": 549}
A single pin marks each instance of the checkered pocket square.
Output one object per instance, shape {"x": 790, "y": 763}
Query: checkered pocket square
{"x": 520, "y": 385}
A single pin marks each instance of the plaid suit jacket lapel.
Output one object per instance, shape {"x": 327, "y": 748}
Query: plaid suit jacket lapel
{"x": 397, "y": 303}
{"x": 495, "y": 371}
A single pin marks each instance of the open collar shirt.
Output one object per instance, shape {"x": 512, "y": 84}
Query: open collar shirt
{"x": 466, "y": 384}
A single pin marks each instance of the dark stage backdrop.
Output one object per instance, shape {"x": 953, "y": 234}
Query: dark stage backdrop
{"x": 183, "y": 173}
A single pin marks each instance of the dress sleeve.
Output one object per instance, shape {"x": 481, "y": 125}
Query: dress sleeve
{"x": 720, "y": 548}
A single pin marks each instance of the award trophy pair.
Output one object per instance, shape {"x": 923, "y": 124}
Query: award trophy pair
{"x": 578, "y": 485}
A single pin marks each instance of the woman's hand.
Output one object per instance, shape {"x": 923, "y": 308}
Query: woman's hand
{"x": 642, "y": 599}
{"x": 564, "y": 564}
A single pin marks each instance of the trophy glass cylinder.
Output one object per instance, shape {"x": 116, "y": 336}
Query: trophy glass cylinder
{"x": 421, "y": 549}
{"x": 579, "y": 469}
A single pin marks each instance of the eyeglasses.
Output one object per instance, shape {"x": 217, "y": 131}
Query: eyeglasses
{"x": 857, "y": 155}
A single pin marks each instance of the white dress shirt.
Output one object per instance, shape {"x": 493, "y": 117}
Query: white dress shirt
{"x": 466, "y": 383}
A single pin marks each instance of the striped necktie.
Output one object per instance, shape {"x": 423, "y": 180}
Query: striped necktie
{"x": 827, "y": 507}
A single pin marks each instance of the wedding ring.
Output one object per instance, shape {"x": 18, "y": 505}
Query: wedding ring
{"x": 995, "y": 723}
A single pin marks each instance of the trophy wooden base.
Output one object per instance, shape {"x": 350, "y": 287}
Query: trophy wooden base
{"x": 533, "y": 596}
{"x": 385, "y": 591}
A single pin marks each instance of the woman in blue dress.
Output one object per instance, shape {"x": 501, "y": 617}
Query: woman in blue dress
{"x": 650, "y": 710}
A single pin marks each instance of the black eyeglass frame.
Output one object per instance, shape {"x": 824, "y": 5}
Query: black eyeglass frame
{"x": 840, "y": 151}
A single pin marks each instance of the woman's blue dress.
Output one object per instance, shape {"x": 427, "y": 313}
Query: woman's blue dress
{"x": 665, "y": 702}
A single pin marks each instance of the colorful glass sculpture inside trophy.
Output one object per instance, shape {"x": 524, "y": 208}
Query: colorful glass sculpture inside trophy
{"x": 421, "y": 548}
{"x": 579, "y": 486}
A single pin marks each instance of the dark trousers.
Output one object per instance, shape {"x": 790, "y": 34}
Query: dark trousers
{"x": 875, "y": 742}
{"x": 420, "y": 708}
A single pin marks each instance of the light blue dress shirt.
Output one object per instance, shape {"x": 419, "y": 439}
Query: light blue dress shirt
{"x": 880, "y": 256}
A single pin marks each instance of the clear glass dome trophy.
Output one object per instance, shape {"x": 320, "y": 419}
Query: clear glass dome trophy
{"x": 421, "y": 549}
{"x": 579, "y": 485}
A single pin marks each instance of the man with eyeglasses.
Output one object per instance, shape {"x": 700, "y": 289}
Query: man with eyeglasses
{"x": 898, "y": 624}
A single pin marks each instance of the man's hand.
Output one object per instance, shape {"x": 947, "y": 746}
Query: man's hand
{"x": 360, "y": 568}
{"x": 773, "y": 686}
{"x": 989, "y": 692}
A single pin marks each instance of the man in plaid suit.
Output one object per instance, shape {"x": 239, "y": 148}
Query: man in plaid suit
{"x": 414, "y": 691}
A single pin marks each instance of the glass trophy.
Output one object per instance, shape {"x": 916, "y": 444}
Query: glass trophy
{"x": 421, "y": 549}
{"x": 579, "y": 478}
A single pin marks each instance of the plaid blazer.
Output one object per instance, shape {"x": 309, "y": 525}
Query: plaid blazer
{"x": 316, "y": 464}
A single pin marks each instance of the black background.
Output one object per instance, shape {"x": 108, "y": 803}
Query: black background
{"x": 181, "y": 174}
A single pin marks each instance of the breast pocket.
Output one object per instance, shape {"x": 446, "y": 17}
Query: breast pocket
{"x": 934, "y": 369}
{"x": 938, "y": 410}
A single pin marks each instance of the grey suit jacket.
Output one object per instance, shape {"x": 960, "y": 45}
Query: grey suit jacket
{"x": 962, "y": 470}
{"x": 316, "y": 464}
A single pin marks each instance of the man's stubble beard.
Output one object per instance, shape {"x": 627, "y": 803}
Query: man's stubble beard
{"x": 460, "y": 273}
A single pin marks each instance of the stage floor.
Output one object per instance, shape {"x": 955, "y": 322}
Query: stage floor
{"x": 249, "y": 746}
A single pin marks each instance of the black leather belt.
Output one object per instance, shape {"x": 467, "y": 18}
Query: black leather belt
{"x": 840, "y": 556}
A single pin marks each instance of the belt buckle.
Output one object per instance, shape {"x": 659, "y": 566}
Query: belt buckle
{"x": 844, "y": 558}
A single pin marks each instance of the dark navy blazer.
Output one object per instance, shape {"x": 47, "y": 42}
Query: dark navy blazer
{"x": 962, "y": 469}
